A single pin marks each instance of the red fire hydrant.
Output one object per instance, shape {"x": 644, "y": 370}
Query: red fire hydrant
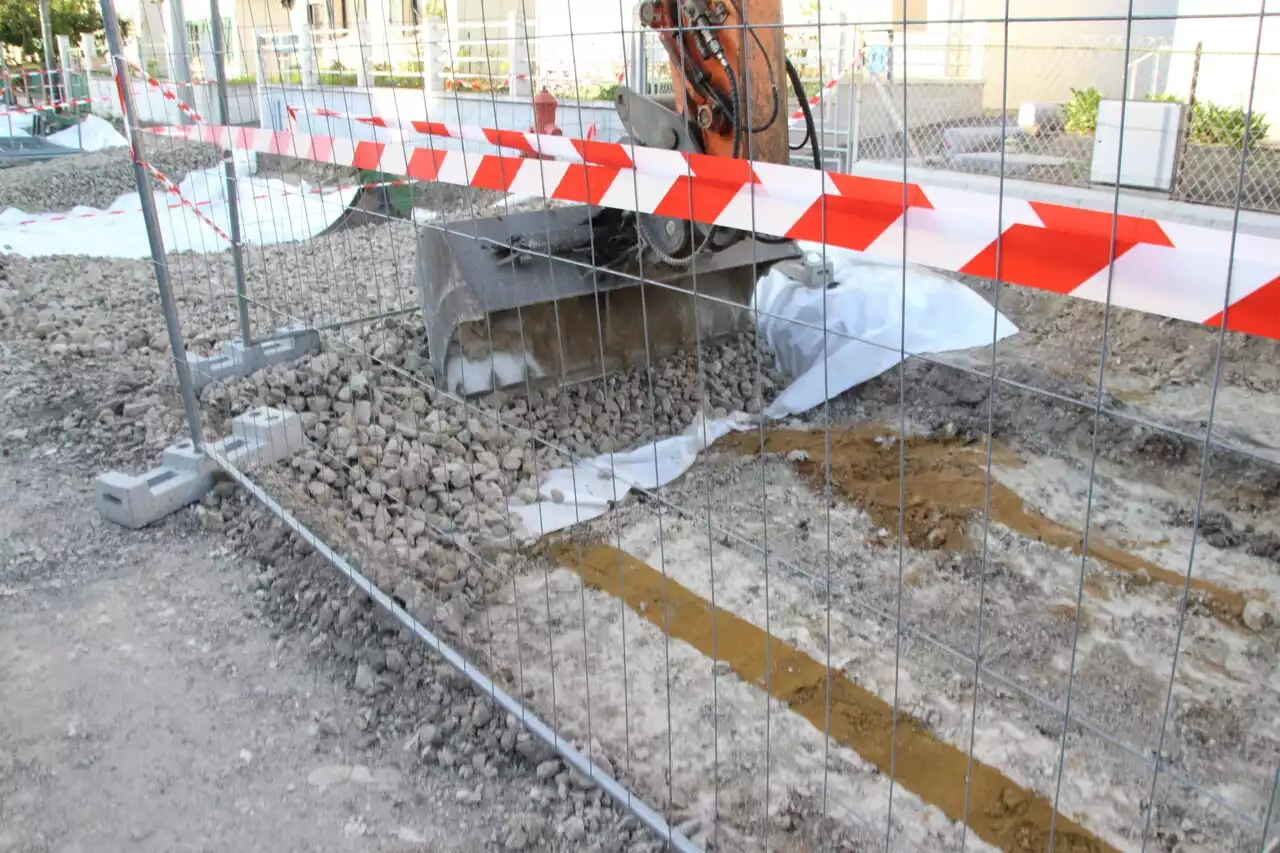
{"x": 544, "y": 118}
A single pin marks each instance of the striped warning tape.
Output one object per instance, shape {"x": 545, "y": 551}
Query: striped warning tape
{"x": 173, "y": 190}
{"x": 589, "y": 149}
{"x": 1163, "y": 268}
{"x": 475, "y": 134}
{"x": 798, "y": 116}
{"x": 22, "y": 75}
{"x": 524, "y": 141}
{"x": 56, "y": 105}
{"x": 168, "y": 92}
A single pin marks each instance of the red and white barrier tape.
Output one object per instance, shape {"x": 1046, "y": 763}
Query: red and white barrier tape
{"x": 798, "y": 116}
{"x": 520, "y": 140}
{"x": 22, "y": 75}
{"x": 57, "y": 105}
{"x": 168, "y": 93}
{"x": 1163, "y": 268}
{"x": 173, "y": 190}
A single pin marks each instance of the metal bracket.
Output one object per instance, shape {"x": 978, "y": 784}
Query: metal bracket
{"x": 654, "y": 124}
{"x": 811, "y": 270}
{"x": 236, "y": 359}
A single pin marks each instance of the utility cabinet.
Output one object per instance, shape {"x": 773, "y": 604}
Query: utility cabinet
{"x": 1151, "y": 133}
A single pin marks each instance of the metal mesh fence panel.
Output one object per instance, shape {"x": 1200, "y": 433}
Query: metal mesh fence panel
{"x": 950, "y": 524}
{"x": 1057, "y": 73}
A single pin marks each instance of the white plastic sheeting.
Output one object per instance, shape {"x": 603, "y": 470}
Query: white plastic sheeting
{"x": 866, "y": 314}
{"x": 15, "y": 123}
{"x": 92, "y": 134}
{"x": 874, "y": 314}
{"x": 270, "y": 212}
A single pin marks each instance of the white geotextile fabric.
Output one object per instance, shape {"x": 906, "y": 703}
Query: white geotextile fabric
{"x": 92, "y": 134}
{"x": 15, "y": 123}
{"x": 867, "y": 304}
{"x": 271, "y": 211}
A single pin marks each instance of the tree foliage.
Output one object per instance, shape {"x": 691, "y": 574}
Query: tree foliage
{"x": 20, "y": 23}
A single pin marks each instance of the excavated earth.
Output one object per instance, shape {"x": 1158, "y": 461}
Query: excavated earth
{"x": 782, "y": 645}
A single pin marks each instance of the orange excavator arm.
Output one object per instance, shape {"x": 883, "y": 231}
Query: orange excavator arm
{"x": 580, "y": 266}
{"x": 729, "y": 70}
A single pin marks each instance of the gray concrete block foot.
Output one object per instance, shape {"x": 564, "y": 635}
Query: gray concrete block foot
{"x": 258, "y": 438}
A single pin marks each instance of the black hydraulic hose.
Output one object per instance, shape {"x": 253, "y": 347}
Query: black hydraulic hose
{"x": 810, "y": 131}
{"x": 810, "y": 134}
{"x": 773, "y": 84}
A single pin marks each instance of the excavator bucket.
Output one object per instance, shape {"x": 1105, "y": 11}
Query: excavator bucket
{"x": 560, "y": 295}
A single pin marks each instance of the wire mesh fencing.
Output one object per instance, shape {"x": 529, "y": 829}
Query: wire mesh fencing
{"x": 1058, "y": 74}
{"x": 796, "y": 510}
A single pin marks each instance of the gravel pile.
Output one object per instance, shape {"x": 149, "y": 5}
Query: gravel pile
{"x": 94, "y": 413}
{"x": 393, "y": 470}
{"x": 399, "y": 467}
{"x": 97, "y": 178}
{"x": 417, "y": 483}
{"x": 416, "y": 705}
{"x": 73, "y": 304}
{"x": 387, "y": 454}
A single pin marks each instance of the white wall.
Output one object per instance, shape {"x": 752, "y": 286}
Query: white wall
{"x": 152, "y": 107}
{"x": 147, "y": 18}
{"x": 595, "y": 53}
{"x": 1226, "y": 65}
{"x": 1047, "y": 57}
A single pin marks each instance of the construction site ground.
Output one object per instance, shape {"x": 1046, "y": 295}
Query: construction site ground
{"x": 729, "y": 647}
{"x": 155, "y": 700}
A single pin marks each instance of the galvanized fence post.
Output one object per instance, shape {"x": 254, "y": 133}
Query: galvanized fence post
{"x": 229, "y": 174}
{"x": 179, "y": 59}
{"x": 155, "y": 238}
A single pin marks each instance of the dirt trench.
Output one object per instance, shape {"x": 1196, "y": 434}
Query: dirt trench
{"x": 943, "y": 491}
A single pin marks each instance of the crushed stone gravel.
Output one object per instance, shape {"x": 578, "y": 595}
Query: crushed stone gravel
{"x": 96, "y": 178}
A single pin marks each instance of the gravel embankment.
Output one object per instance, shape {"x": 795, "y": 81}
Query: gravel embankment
{"x": 95, "y": 179}
{"x": 86, "y": 365}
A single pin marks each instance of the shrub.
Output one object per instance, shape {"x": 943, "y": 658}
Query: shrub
{"x": 399, "y": 198}
{"x": 1215, "y": 125}
{"x": 332, "y": 79}
{"x": 1082, "y": 110}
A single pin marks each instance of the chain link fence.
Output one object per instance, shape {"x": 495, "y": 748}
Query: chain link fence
{"x": 877, "y": 557}
{"x": 1051, "y": 108}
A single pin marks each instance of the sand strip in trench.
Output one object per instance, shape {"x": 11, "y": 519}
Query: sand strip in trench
{"x": 1001, "y": 812}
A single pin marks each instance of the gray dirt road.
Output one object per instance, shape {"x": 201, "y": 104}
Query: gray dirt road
{"x": 147, "y": 705}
